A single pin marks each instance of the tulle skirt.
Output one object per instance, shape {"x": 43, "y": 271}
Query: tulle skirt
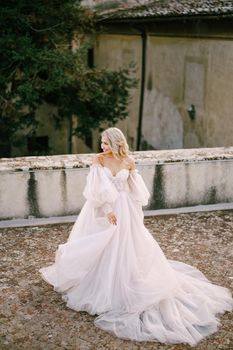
{"x": 120, "y": 274}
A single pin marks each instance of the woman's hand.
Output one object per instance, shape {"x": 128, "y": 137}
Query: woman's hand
{"x": 112, "y": 218}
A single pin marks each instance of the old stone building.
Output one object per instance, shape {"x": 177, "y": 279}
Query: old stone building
{"x": 183, "y": 56}
{"x": 183, "y": 52}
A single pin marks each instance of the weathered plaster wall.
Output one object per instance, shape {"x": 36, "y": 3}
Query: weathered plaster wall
{"x": 58, "y": 138}
{"x": 53, "y": 186}
{"x": 117, "y": 51}
{"x": 179, "y": 72}
{"x": 185, "y": 71}
{"x": 162, "y": 122}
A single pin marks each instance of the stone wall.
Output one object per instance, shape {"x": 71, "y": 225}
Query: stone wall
{"x": 114, "y": 52}
{"x": 53, "y": 186}
{"x": 180, "y": 72}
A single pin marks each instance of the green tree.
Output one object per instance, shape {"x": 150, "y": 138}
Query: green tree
{"x": 38, "y": 64}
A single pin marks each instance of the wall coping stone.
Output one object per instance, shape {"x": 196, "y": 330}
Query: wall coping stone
{"x": 79, "y": 161}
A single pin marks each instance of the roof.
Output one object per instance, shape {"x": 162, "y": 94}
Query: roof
{"x": 167, "y": 8}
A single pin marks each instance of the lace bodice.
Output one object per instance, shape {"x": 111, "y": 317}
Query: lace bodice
{"x": 120, "y": 179}
{"x": 103, "y": 188}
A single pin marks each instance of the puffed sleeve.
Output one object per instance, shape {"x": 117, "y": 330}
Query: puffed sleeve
{"x": 138, "y": 189}
{"x": 99, "y": 190}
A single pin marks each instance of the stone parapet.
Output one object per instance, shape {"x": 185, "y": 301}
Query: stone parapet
{"x": 53, "y": 185}
{"x": 74, "y": 161}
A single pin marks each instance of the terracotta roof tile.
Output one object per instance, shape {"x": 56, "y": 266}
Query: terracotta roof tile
{"x": 167, "y": 8}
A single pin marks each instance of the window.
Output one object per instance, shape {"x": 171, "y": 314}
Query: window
{"x": 38, "y": 144}
{"x": 89, "y": 140}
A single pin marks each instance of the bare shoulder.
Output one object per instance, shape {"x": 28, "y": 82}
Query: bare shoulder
{"x": 97, "y": 159}
{"x": 131, "y": 163}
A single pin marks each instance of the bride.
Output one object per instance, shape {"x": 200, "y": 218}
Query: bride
{"x": 112, "y": 267}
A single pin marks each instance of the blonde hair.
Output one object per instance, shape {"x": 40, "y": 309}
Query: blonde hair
{"x": 117, "y": 142}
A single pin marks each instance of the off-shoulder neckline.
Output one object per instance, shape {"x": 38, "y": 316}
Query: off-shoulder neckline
{"x": 102, "y": 166}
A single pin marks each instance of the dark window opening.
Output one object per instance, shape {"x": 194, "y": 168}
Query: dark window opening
{"x": 5, "y": 149}
{"x": 38, "y": 144}
{"x": 90, "y": 58}
{"x": 89, "y": 140}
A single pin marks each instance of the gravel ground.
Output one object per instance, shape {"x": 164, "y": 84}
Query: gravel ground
{"x": 34, "y": 317}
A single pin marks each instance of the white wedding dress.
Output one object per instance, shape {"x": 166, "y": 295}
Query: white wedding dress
{"x": 119, "y": 272}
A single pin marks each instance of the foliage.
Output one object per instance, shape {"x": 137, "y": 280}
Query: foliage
{"x": 37, "y": 64}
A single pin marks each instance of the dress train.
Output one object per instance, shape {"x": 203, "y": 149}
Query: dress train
{"x": 121, "y": 274}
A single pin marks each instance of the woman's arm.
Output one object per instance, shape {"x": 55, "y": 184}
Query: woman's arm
{"x": 98, "y": 159}
{"x": 137, "y": 186}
